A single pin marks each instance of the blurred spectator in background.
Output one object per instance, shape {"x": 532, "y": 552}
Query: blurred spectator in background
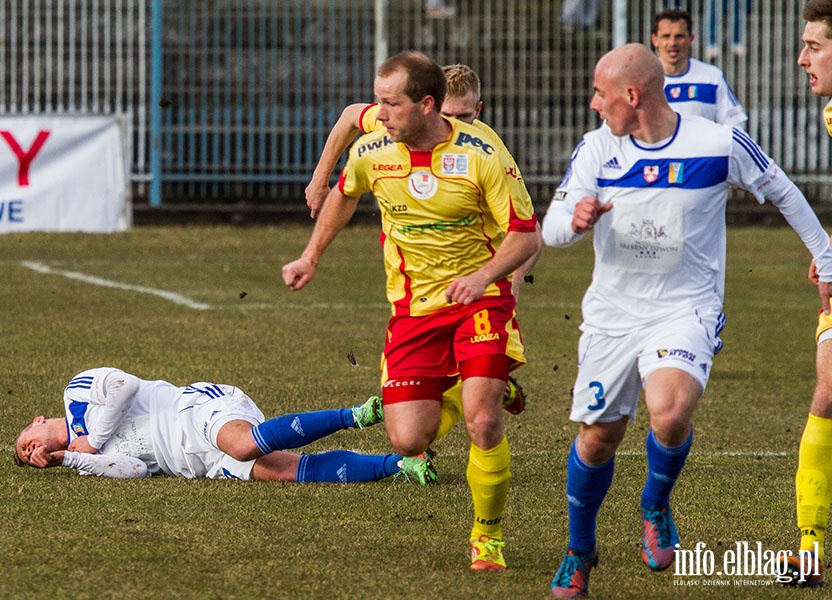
{"x": 579, "y": 14}
{"x": 692, "y": 86}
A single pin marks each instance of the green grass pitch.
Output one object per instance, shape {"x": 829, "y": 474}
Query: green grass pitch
{"x": 65, "y": 536}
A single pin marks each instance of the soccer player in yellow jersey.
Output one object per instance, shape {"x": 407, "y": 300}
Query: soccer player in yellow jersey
{"x": 456, "y": 222}
{"x": 462, "y": 101}
{"x": 813, "y": 482}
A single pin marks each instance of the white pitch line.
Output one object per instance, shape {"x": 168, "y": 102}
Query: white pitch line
{"x": 170, "y": 296}
{"x": 627, "y": 453}
{"x": 721, "y": 454}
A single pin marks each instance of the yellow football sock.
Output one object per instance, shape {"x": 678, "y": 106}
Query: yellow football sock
{"x": 451, "y": 410}
{"x": 814, "y": 474}
{"x": 489, "y": 477}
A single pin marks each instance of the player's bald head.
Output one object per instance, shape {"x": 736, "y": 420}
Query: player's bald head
{"x": 633, "y": 65}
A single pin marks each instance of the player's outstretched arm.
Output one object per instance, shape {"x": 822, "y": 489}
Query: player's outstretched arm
{"x": 337, "y": 212}
{"x": 338, "y": 140}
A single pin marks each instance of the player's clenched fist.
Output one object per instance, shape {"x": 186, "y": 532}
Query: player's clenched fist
{"x": 587, "y": 212}
{"x": 298, "y": 273}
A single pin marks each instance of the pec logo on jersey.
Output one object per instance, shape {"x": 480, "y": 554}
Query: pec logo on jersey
{"x": 675, "y": 92}
{"x": 476, "y": 142}
{"x": 422, "y": 185}
{"x": 454, "y": 164}
{"x": 651, "y": 173}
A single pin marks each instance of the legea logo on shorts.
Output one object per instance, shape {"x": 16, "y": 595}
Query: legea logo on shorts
{"x": 484, "y": 337}
{"x": 401, "y": 383}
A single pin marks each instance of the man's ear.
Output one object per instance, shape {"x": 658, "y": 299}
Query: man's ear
{"x": 428, "y": 104}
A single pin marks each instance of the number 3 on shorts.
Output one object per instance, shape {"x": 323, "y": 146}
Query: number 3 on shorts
{"x": 600, "y": 403}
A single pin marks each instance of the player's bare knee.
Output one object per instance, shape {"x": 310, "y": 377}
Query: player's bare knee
{"x": 485, "y": 429}
{"x": 671, "y": 428}
{"x": 596, "y": 451}
{"x": 598, "y": 443}
{"x": 234, "y": 438}
{"x": 409, "y": 445}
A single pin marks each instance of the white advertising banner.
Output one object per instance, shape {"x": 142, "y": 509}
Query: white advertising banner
{"x": 62, "y": 173}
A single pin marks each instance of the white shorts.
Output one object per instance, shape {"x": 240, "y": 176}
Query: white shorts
{"x": 612, "y": 370}
{"x": 204, "y": 409}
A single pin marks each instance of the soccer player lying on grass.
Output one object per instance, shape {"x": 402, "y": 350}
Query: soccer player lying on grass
{"x": 118, "y": 425}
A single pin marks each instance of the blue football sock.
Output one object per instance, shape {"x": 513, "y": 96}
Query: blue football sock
{"x": 586, "y": 488}
{"x": 296, "y": 430}
{"x": 343, "y": 466}
{"x": 663, "y": 467}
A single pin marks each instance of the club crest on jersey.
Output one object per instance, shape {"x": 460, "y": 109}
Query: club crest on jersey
{"x": 651, "y": 173}
{"x": 454, "y": 164}
{"x": 675, "y": 92}
{"x": 422, "y": 185}
{"x": 676, "y": 173}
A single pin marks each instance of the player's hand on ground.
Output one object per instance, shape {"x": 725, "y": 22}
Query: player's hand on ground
{"x": 316, "y": 194}
{"x": 82, "y": 444}
{"x": 298, "y": 273}
{"x": 41, "y": 458}
{"x": 465, "y": 290}
{"x": 587, "y": 212}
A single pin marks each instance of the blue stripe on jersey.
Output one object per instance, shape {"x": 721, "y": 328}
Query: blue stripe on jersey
{"x": 731, "y": 96}
{"x": 212, "y": 390}
{"x": 78, "y": 424}
{"x": 568, "y": 174}
{"x": 750, "y": 146}
{"x": 83, "y": 383}
{"x": 686, "y": 173}
{"x": 690, "y": 92}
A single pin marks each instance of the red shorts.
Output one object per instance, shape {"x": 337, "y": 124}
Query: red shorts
{"x": 424, "y": 355}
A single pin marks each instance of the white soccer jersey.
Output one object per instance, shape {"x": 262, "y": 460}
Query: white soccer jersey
{"x": 661, "y": 248}
{"x": 703, "y": 90}
{"x": 160, "y": 424}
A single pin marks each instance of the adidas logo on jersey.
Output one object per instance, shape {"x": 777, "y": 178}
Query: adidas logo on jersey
{"x": 612, "y": 163}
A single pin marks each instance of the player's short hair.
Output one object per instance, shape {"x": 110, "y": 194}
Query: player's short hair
{"x": 18, "y": 460}
{"x": 819, "y": 10}
{"x": 424, "y": 75}
{"x": 672, "y": 15}
{"x": 461, "y": 80}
